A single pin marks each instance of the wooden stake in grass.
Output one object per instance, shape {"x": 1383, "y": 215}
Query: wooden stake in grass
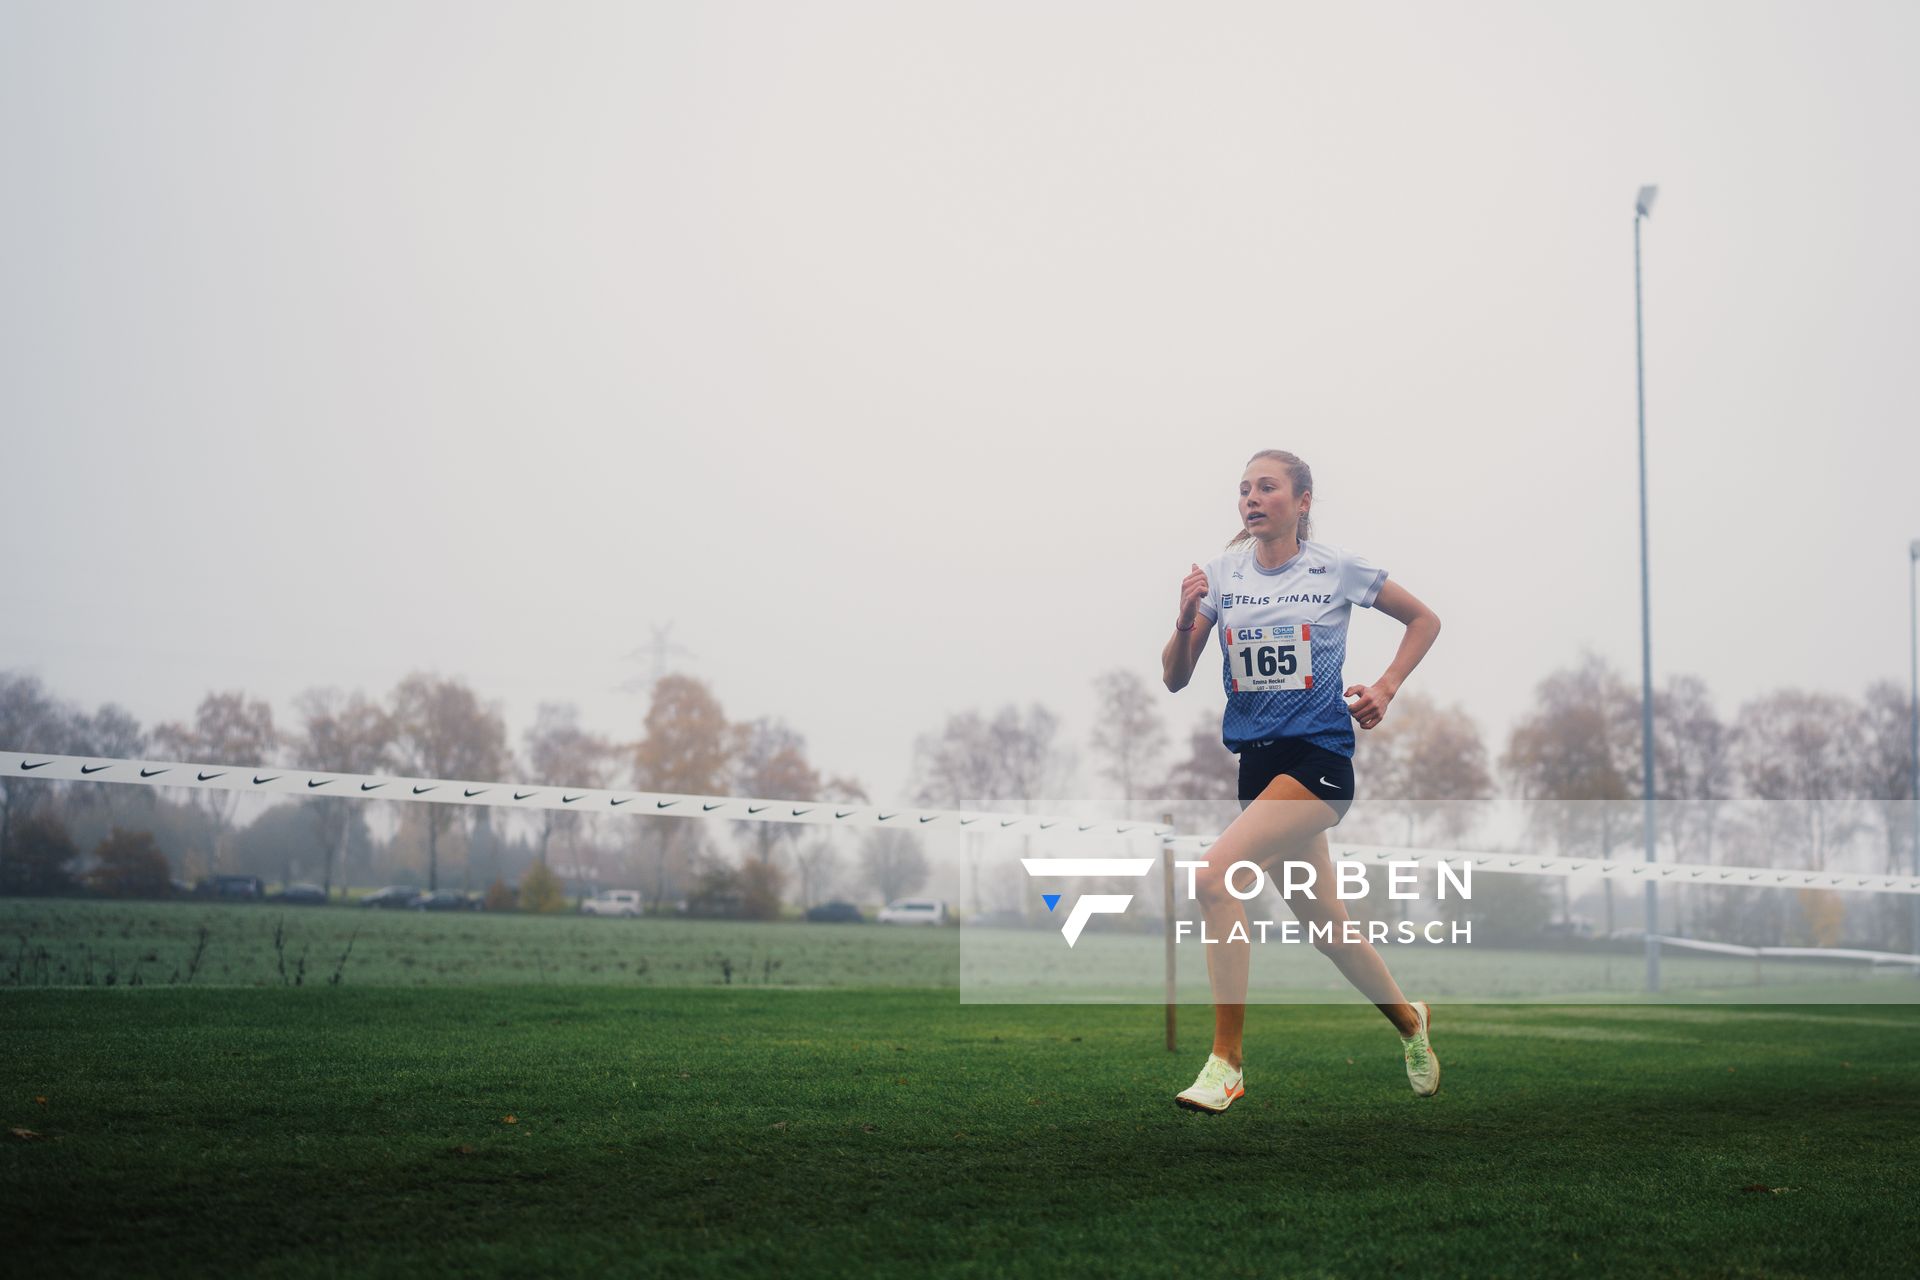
{"x": 1166, "y": 893}
{"x": 334, "y": 981}
{"x": 193, "y": 964}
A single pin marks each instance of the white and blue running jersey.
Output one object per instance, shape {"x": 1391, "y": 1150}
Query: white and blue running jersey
{"x": 1269, "y": 618}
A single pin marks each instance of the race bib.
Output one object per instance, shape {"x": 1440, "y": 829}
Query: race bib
{"x": 1268, "y": 658}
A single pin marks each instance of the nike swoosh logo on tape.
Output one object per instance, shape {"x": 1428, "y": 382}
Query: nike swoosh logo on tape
{"x": 151, "y": 773}
{"x": 761, "y": 809}
{"x": 616, "y": 803}
{"x": 371, "y": 786}
{"x": 709, "y": 808}
{"x": 476, "y": 791}
{"x": 313, "y": 785}
{"x": 258, "y": 780}
{"x": 92, "y": 768}
{"x": 570, "y": 799}
{"x": 29, "y": 768}
{"x": 521, "y": 795}
{"x": 420, "y": 791}
{"x": 209, "y": 777}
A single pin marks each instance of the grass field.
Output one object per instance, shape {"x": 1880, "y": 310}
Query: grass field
{"x": 577, "y": 1127}
{"x": 64, "y": 941}
{"x": 79, "y": 942}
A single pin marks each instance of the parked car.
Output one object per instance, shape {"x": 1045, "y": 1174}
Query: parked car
{"x": 302, "y": 895}
{"x": 613, "y": 902}
{"x": 715, "y": 904}
{"x": 914, "y": 911}
{"x": 445, "y": 900}
{"x": 234, "y": 888}
{"x": 391, "y": 897}
{"x": 835, "y": 913}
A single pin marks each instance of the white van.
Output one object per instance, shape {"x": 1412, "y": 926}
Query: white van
{"x": 914, "y": 911}
{"x": 613, "y": 902}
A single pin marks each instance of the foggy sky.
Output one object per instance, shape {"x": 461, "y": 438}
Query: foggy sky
{"x": 903, "y": 357}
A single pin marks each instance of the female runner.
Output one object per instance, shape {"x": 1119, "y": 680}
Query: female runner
{"x": 1281, "y": 602}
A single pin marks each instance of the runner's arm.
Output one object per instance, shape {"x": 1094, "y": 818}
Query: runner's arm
{"x": 1182, "y": 653}
{"x": 1183, "y": 647}
{"x": 1423, "y": 626}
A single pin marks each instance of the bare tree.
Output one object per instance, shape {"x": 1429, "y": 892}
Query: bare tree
{"x": 1693, "y": 752}
{"x": 31, "y": 719}
{"x": 1884, "y": 759}
{"x": 228, "y": 728}
{"x": 1129, "y": 738}
{"x": 1798, "y": 755}
{"x": 1885, "y": 755}
{"x": 817, "y": 860}
{"x": 443, "y": 730}
{"x": 1383, "y": 764}
{"x": 770, "y": 761}
{"x": 110, "y": 733}
{"x": 1204, "y": 784}
{"x": 1428, "y": 765}
{"x": 1033, "y": 767}
{"x": 560, "y": 753}
{"x": 893, "y": 862}
{"x": 959, "y": 768}
{"x": 1575, "y": 747}
{"x": 1795, "y": 752}
{"x": 340, "y": 733}
{"x": 975, "y": 763}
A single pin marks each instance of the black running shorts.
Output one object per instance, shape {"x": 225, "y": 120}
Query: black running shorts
{"x": 1327, "y": 774}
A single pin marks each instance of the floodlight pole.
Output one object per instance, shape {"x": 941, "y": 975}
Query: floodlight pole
{"x": 1642, "y": 207}
{"x": 1913, "y": 726}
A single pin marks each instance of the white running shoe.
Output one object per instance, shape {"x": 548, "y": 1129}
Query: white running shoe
{"x": 1423, "y": 1064}
{"x": 1218, "y": 1085}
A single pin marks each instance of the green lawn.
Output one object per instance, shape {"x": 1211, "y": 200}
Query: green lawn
{"x": 95, "y": 943}
{"x": 814, "y": 1128}
{"x": 61, "y": 942}
{"x": 309, "y": 1131}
